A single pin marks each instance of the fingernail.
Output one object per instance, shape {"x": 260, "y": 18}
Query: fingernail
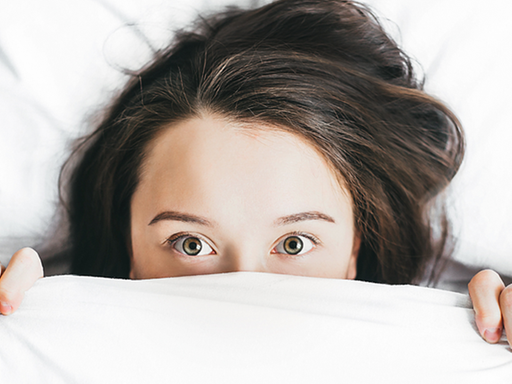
{"x": 492, "y": 335}
{"x": 5, "y": 308}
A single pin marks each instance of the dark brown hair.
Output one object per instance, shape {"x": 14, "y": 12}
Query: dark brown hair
{"x": 324, "y": 70}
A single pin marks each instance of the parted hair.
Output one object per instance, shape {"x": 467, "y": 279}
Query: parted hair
{"x": 324, "y": 70}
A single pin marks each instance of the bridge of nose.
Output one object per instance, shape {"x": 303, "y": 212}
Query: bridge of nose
{"x": 245, "y": 259}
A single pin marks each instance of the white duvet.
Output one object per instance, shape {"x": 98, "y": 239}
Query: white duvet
{"x": 59, "y": 60}
{"x": 244, "y": 328}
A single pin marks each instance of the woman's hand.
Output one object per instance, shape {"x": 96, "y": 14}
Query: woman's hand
{"x": 492, "y": 302}
{"x": 22, "y": 272}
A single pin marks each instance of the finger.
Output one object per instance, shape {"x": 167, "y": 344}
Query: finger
{"x": 506, "y": 310}
{"x": 485, "y": 289}
{"x": 22, "y": 272}
{"x": 2, "y": 269}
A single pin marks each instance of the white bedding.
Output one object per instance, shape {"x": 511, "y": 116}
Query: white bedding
{"x": 244, "y": 328}
{"x": 59, "y": 60}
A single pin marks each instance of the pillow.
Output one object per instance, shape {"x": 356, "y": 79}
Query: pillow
{"x": 244, "y": 327}
{"x": 61, "y": 60}
{"x": 462, "y": 52}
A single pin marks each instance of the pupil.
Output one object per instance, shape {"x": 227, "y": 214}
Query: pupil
{"x": 293, "y": 245}
{"x": 192, "y": 246}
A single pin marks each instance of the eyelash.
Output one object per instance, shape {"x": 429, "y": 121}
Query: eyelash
{"x": 177, "y": 236}
{"x": 309, "y": 236}
{"x": 172, "y": 240}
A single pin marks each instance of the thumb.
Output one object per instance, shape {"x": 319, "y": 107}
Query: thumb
{"x": 24, "y": 269}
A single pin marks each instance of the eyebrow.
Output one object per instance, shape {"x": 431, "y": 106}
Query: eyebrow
{"x": 303, "y": 216}
{"x": 285, "y": 220}
{"x": 178, "y": 216}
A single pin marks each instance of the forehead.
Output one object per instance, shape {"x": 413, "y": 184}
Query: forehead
{"x": 210, "y": 160}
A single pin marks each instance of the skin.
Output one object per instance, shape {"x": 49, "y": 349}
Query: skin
{"x": 243, "y": 192}
{"x": 24, "y": 269}
{"x": 244, "y": 207}
{"x": 492, "y": 302}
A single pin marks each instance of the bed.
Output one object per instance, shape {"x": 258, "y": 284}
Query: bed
{"x": 60, "y": 60}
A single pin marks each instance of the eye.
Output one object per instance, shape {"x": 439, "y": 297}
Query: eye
{"x": 192, "y": 246}
{"x": 295, "y": 245}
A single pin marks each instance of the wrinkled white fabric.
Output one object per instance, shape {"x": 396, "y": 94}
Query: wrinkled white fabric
{"x": 244, "y": 328}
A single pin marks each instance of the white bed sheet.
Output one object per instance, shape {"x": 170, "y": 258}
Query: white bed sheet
{"x": 242, "y": 328}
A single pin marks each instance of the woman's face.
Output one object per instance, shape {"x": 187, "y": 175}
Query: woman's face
{"x": 214, "y": 198}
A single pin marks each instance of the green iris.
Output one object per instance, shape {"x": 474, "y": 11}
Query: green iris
{"x": 293, "y": 245}
{"x": 192, "y": 246}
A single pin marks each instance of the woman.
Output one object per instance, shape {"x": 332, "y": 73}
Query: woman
{"x": 293, "y": 138}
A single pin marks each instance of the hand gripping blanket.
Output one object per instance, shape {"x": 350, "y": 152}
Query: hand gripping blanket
{"x": 244, "y": 327}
